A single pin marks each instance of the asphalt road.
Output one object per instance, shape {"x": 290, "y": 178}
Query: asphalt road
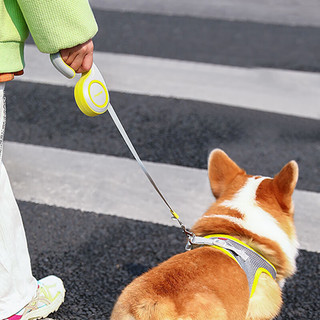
{"x": 216, "y": 41}
{"x": 97, "y": 255}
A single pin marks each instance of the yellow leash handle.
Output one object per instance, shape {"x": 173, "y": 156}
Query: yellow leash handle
{"x": 90, "y": 92}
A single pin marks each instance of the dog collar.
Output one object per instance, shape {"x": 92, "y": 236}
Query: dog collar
{"x": 252, "y": 263}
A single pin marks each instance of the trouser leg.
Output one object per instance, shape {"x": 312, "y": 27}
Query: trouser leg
{"x": 17, "y": 285}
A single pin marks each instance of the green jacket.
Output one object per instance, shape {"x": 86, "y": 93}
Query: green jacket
{"x": 53, "y": 24}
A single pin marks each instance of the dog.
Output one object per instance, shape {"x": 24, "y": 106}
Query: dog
{"x": 253, "y": 213}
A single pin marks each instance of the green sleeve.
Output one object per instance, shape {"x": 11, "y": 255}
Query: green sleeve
{"x": 58, "y": 24}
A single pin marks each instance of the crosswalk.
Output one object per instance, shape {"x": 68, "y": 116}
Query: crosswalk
{"x": 258, "y": 89}
{"x": 104, "y": 180}
{"x": 176, "y": 106}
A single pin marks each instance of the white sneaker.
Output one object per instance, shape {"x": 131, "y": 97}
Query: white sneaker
{"x": 50, "y": 295}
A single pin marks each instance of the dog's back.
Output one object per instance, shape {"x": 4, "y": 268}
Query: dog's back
{"x": 190, "y": 285}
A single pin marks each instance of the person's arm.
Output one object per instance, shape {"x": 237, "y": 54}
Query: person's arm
{"x": 58, "y": 24}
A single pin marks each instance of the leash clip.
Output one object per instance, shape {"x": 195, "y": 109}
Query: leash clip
{"x": 191, "y": 237}
{"x": 176, "y": 217}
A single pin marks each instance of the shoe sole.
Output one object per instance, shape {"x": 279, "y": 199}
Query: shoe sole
{"x": 45, "y": 311}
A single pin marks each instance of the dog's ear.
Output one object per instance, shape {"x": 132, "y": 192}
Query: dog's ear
{"x": 284, "y": 184}
{"x": 222, "y": 170}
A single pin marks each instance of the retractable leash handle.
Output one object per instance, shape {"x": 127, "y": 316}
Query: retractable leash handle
{"x": 90, "y": 92}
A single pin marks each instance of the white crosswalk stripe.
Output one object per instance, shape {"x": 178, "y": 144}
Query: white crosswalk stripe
{"x": 97, "y": 183}
{"x": 282, "y": 91}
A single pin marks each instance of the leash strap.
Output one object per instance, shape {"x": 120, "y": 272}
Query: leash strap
{"x": 94, "y": 100}
{"x": 128, "y": 142}
{"x": 220, "y": 242}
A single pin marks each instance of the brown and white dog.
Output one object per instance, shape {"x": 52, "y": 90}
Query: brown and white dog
{"x": 205, "y": 283}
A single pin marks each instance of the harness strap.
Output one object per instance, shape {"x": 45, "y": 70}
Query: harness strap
{"x": 252, "y": 263}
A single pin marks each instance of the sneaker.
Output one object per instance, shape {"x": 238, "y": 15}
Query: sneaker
{"x": 49, "y": 296}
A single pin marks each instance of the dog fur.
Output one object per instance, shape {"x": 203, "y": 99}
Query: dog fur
{"x": 206, "y": 284}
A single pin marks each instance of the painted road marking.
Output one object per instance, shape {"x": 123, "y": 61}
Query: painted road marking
{"x": 112, "y": 185}
{"x": 281, "y": 91}
{"x": 284, "y": 12}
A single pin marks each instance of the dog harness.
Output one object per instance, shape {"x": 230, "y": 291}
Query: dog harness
{"x": 252, "y": 263}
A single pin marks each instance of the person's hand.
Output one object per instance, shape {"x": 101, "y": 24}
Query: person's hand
{"x": 80, "y": 57}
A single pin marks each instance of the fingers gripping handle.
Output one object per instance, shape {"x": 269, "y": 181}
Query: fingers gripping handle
{"x": 61, "y": 66}
{"x": 91, "y": 93}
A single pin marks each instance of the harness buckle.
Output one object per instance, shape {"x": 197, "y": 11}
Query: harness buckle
{"x": 191, "y": 237}
{"x": 227, "y": 244}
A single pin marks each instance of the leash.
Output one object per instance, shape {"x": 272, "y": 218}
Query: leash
{"x": 128, "y": 142}
{"x": 92, "y": 98}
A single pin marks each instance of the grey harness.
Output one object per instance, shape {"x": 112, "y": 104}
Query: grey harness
{"x": 252, "y": 263}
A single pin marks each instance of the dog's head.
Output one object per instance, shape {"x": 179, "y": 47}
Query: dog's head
{"x": 258, "y": 210}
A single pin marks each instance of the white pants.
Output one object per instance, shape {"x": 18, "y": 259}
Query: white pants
{"x": 17, "y": 285}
